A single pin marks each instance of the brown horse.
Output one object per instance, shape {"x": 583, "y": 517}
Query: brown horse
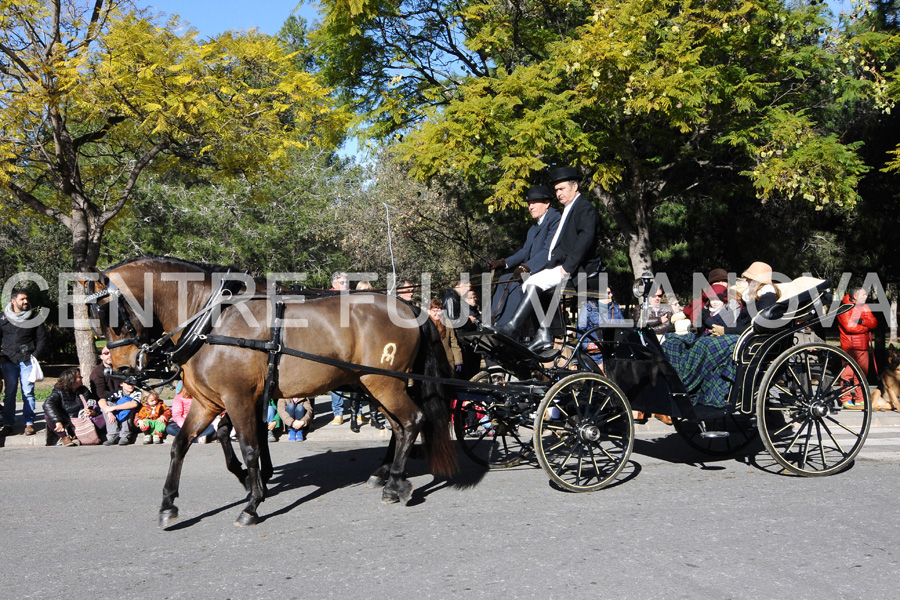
{"x": 152, "y": 295}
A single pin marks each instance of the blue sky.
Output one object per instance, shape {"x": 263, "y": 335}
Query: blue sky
{"x": 211, "y": 17}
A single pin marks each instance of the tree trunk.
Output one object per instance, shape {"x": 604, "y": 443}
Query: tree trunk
{"x": 634, "y": 226}
{"x": 84, "y": 260}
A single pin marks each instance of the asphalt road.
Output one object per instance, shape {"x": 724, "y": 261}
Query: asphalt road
{"x": 81, "y": 523}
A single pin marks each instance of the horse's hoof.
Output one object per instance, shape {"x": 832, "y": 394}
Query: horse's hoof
{"x": 392, "y": 496}
{"x": 246, "y": 519}
{"x": 167, "y": 517}
{"x": 405, "y": 492}
{"x": 375, "y": 481}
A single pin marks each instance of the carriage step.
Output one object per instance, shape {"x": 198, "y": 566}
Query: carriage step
{"x": 714, "y": 434}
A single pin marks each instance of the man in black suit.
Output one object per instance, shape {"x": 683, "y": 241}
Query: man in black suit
{"x": 530, "y": 258}
{"x": 574, "y": 249}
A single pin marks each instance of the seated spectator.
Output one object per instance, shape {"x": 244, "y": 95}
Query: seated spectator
{"x": 181, "y": 404}
{"x": 297, "y": 414}
{"x": 273, "y": 422}
{"x": 447, "y": 335}
{"x": 102, "y": 385}
{"x": 152, "y": 418}
{"x": 65, "y": 402}
{"x": 119, "y": 410}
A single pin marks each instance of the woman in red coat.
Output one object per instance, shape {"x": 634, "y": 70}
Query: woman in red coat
{"x": 855, "y": 326}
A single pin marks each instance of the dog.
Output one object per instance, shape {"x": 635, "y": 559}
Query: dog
{"x": 887, "y": 396}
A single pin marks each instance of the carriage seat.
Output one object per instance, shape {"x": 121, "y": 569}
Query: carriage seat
{"x": 796, "y": 304}
{"x": 592, "y": 285}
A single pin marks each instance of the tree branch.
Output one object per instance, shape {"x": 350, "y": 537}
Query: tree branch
{"x": 145, "y": 160}
{"x": 29, "y": 200}
{"x": 98, "y": 135}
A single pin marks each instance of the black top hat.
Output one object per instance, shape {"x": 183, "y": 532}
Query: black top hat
{"x": 560, "y": 174}
{"x": 538, "y": 193}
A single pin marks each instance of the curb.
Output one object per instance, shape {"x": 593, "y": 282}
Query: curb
{"x": 324, "y": 431}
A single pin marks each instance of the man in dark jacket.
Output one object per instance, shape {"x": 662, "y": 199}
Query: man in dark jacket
{"x": 530, "y": 258}
{"x": 574, "y": 249}
{"x": 21, "y": 338}
{"x": 102, "y": 385}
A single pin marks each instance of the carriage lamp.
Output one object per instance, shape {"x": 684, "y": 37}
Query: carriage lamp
{"x": 642, "y": 285}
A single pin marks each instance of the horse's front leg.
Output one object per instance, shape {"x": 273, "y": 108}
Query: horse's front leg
{"x": 197, "y": 420}
{"x": 168, "y": 512}
{"x": 397, "y": 488}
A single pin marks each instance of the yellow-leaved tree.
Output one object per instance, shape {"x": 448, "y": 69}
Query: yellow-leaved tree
{"x": 93, "y": 95}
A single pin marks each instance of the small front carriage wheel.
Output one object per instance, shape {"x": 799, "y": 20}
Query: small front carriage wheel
{"x": 494, "y": 429}
{"x": 584, "y": 432}
{"x": 801, "y": 412}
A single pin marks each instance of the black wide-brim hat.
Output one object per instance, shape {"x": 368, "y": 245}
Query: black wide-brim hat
{"x": 561, "y": 174}
{"x": 538, "y": 193}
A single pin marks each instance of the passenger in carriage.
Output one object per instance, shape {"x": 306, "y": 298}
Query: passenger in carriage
{"x": 659, "y": 314}
{"x": 704, "y": 363}
{"x": 596, "y": 313}
{"x": 722, "y": 309}
{"x": 573, "y": 250}
{"x": 530, "y": 258}
{"x": 715, "y": 277}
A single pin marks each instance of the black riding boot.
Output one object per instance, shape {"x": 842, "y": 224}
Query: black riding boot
{"x": 543, "y": 340}
{"x": 520, "y": 317}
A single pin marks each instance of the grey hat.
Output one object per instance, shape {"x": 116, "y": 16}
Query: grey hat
{"x": 538, "y": 193}
{"x": 561, "y": 174}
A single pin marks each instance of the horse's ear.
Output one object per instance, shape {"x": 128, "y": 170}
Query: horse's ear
{"x": 90, "y": 284}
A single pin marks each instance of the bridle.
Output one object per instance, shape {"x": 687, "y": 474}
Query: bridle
{"x": 163, "y": 358}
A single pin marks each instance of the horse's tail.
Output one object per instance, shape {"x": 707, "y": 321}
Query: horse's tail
{"x": 429, "y": 395}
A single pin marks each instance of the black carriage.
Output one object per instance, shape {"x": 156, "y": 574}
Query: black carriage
{"x": 577, "y": 419}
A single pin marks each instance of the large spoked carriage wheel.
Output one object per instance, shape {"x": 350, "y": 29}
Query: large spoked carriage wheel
{"x": 800, "y": 412}
{"x": 584, "y": 432}
{"x": 494, "y": 430}
{"x": 720, "y": 436}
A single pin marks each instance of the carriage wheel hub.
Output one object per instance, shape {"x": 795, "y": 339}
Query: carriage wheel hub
{"x": 818, "y": 410}
{"x": 589, "y": 433}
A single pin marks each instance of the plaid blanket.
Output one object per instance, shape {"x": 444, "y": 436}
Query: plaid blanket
{"x": 704, "y": 365}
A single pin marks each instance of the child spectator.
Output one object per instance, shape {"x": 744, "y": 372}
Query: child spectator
{"x": 119, "y": 410}
{"x": 180, "y": 407}
{"x": 152, "y": 419}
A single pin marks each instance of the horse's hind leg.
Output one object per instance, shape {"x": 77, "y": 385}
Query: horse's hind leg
{"x": 262, "y": 433}
{"x": 244, "y": 419}
{"x": 398, "y": 488}
{"x": 379, "y": 478}
{"x": 223, "y": 434}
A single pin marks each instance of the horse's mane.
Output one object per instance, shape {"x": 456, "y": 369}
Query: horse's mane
{"x": 209, "y": 268}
